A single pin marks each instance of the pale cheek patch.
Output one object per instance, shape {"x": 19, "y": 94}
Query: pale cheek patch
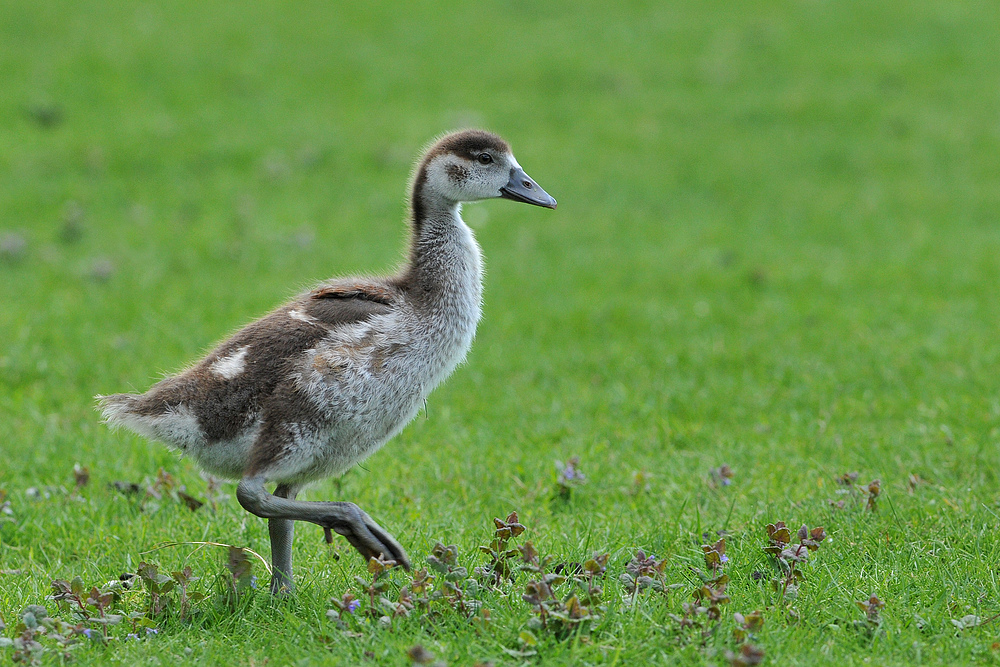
{"x": 437, "y": 176}
{"x": 231, "y": 366}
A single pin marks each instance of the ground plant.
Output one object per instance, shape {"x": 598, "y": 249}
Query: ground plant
{"x": 735, "y": 402}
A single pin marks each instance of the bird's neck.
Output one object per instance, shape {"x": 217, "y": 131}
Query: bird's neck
{"x": 444, "y": 271}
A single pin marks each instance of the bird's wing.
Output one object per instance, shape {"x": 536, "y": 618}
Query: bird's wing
{"x": 348, "y": 302}
{"x": 357, "y": 290}
{"x": 225, "y": 390}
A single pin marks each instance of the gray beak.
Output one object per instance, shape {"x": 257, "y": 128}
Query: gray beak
{"x": 520, "y": 187}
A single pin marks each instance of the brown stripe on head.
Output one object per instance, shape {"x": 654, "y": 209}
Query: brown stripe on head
{"x": 467, "y": 143}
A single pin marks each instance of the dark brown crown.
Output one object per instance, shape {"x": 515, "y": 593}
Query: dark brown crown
{"x": 467, "y": 143}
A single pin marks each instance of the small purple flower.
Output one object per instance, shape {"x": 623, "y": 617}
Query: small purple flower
{"x": 152, "y": 631}
{"x": 131, "y": 635}
{"x": 726, "y": 481}
{"x": 569, "y": 471}
{"x": 89, "y": 633}
{"x": 352, "y": 606}
{"x": 253, "y": 582}
{"x": 723, "y": 558}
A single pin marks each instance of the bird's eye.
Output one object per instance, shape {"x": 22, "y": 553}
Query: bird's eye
{"x": 484, "y": 158}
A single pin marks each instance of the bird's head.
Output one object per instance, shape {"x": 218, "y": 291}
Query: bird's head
{"x": 472, "y": 165}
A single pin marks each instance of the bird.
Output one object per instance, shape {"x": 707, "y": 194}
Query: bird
{"x": 326, "y": 379}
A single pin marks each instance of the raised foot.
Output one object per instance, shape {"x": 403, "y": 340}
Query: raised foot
{"x": 347, "y": 519}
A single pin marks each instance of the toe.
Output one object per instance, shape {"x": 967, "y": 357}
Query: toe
{"x": 393, "y": 549}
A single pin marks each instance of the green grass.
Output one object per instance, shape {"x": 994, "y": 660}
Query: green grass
{"x": 776, "y": 248}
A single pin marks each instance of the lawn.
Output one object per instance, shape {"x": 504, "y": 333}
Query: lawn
{"x": 776, "y": 249}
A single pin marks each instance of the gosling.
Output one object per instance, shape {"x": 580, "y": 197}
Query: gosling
{"x": 325, "y": 380}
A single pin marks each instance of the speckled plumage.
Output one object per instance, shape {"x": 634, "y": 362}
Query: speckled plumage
{"x": 323, "y": 381}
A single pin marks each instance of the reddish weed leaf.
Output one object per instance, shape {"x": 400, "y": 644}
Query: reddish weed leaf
{"x": 848, "y": 479}
{"x": 378, "y": 565}
{"x": 528, "y": 553}
{"x": 748, "y": 655}
{"x": 721, "y": 476}
{"x": 192, "y": 503}
{"x": 872, "y": 606}
{"x": 239, "y": 565}
{"x": 715, "y": 554}
{"x": 778, "y": 532}
{"x": 81, "y": 475}
{"x": 126, "y": 488}
{"x": 420, "y": 655}
{"x": 752, "y": 622}
{"x": 596, "y": 565}
{"x": 874, "y": 489}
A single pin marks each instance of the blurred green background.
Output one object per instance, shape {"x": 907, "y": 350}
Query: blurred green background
{"x": 776, "y": 247}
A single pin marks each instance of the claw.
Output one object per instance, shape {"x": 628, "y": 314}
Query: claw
{"x": 372, "y": 541}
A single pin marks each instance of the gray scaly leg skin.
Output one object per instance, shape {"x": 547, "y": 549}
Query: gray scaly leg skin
{"x": 282, "y": 533}
{"x": 347, "y": 519}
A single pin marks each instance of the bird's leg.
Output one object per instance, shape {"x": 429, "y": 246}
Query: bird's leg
{"x": 347, "y": 519}
{"x": 282, "y": 533}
